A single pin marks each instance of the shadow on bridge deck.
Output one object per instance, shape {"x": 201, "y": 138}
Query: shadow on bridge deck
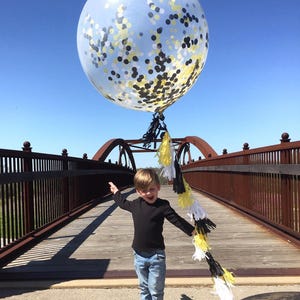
{"x": 98, "y": 245}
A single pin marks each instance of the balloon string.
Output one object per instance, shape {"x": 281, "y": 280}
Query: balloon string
{"x": 156, "y": 127}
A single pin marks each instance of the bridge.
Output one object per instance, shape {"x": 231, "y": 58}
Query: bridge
{"x": 58, "y": 220}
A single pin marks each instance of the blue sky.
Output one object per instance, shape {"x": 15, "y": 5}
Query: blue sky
{"x": 249, "y": 90}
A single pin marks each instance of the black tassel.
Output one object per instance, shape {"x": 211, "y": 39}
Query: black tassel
{"x": 214, "y": 267}
{"x": 205, "y": 225}
{"x": 156, "y": 126}
{"x": 178, "y": 184}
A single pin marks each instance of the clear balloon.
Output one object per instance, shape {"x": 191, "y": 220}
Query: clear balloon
{"x": 142, "y": 54}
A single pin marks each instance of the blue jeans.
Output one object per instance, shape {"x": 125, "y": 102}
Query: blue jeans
{"x": 151, "y": 271}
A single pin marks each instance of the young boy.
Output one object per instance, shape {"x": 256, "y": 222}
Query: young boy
{"x": 148, "y": 214}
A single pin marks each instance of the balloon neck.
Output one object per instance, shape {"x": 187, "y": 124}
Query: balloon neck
{"x": 160, "y": 113}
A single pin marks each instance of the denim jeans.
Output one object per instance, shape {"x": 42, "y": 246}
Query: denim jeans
{"x": 151, "y": 271}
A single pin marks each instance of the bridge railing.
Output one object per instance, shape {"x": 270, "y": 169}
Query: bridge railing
{"x": 39, "y": 192}
{"x": 263, "y": 182}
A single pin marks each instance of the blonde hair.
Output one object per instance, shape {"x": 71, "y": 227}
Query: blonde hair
{"x": 144, "y": 178}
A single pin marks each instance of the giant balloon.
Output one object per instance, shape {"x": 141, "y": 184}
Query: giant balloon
{"x": 142, "y": 54}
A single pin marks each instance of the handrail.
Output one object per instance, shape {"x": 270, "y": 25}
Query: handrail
{"x": 39, "y": 192}
{"x": 262, "y": 182}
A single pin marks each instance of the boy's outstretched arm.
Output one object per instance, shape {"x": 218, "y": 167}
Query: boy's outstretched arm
{"x": 113, "y": 188}
{"x": 118, "y": 198}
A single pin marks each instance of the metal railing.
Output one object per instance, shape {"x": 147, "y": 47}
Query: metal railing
{"x": 39, "y": 192}
{"x": 262, "y": 182}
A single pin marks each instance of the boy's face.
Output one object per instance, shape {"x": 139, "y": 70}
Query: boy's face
{"x": 150, "y": 194}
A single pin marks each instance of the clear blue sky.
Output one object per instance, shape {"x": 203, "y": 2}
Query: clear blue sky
{"x": 249, "y": 90}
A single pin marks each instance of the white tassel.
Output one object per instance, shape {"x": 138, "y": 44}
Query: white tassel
{"x": 196, "y": 211}
{"x": 222, "y": 289}
{"x": 199, "y": 254}
{"x": 169, "y": 171}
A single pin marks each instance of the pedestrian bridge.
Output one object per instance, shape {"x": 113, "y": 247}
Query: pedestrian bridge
{"x": 97, "y": 245}
{"x": 58, "y": 220}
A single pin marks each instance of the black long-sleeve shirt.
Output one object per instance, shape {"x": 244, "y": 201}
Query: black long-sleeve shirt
{"x": 148, "y": 220}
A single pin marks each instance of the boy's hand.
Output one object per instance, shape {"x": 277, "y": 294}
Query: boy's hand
{"x": 113, "y": 188}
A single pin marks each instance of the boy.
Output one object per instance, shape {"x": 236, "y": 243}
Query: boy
{"x": 148, "y": 214}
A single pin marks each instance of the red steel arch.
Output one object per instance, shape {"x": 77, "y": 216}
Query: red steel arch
{"x": 107, "y": 148}
{"x": 182, "y": 148}
{"x": 203, "y": 146}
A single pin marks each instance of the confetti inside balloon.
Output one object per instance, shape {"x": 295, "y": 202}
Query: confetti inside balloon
{"x": 142, "y": 54}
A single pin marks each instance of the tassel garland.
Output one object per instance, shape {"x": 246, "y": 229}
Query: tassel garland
{"x": 223, "y": 279}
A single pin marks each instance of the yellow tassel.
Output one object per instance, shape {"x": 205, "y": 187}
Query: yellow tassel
{"x": 228, "y": 276}
{"x": 201, "y": 242}
{"x": 164, "y": 152}
{"x": 185, "y": 199}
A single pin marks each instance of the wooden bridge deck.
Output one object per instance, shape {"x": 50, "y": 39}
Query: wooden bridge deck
{"x": 98, "y": 245}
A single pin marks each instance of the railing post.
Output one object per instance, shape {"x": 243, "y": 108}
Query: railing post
{"x": 285, "y": 158}
{"x": 246, "y": 147}
{"x": 28, "y": 191}
{"x": 246, "y": 181}
{"x": 66, "y": 182}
